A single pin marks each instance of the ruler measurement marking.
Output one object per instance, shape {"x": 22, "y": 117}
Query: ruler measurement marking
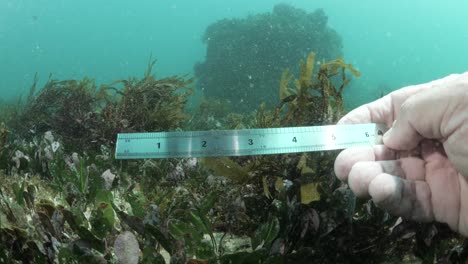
{"x": 244, "y": 142}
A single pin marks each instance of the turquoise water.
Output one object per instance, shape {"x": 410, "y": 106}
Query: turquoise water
{"x": 393, "y": 43}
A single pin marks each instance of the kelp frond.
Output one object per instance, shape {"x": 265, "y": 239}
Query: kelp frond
{"x": 3, "y": 136}
{"x": 285, "y": 91}
{"x": 333, "y": 67}
{"x": 307, "y": 108}
{"x": 149, "y": 69}
{"x": 307, "y": 69}
{"x": 224, "y": 166}
{"x": 32, "y": 90}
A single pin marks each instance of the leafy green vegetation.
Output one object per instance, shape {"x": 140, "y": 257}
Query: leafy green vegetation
{"x": 65, "y": 199}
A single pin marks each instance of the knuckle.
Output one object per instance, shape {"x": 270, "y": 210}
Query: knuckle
{"x": 408, "y": 105}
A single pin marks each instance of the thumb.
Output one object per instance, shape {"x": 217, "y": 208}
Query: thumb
{"x": 402, "y": 136}
{"x": 420, "y": 116}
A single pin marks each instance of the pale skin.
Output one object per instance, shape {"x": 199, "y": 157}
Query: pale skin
{"x": 421, "y": 170}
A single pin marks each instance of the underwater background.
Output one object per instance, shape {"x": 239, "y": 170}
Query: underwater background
{"x": 392, "y": 43}
{"x": 74, "y": 74}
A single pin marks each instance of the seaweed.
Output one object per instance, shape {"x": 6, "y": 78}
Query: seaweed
{"x": 87, "y": 116}
{"x": 255, "y": 49}
{"x": 65, "y": 107}
{"x": 150, "y": 104}
{"x": 65, "y": 199}
{"x": 326, "y": 105}
{"x": 3, "y": 136}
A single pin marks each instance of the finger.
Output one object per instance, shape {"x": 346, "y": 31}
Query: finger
{"x": 386, "y": 109}
{"x": 409, "y": 168}
{"x": 382, "y": 110}
{"x": 414, "y": 121}
{"x": 433, "y": 151}
{"x": 364, "y": 172}
{"x": 406, "y": 198}
{"x": 348, "y": 157}
{"x": 445, "y": 181}
{"x": 427, "y": 114}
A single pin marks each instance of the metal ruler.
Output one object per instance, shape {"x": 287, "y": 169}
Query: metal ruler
{"x": 246, "y": 141}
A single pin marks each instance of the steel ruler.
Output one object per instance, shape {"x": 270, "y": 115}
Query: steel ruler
{"x": 185, "y": 144}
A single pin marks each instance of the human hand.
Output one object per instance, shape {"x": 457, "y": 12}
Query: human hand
{"x": 420, "y": 173}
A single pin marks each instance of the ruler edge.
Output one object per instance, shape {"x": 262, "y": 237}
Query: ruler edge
{"x": 129, "y": 135}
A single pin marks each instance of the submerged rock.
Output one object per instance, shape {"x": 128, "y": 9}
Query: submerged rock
{"x": 126, "y": 248}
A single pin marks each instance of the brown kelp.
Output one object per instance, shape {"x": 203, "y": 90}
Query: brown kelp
{"x": 326, "y": 105}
